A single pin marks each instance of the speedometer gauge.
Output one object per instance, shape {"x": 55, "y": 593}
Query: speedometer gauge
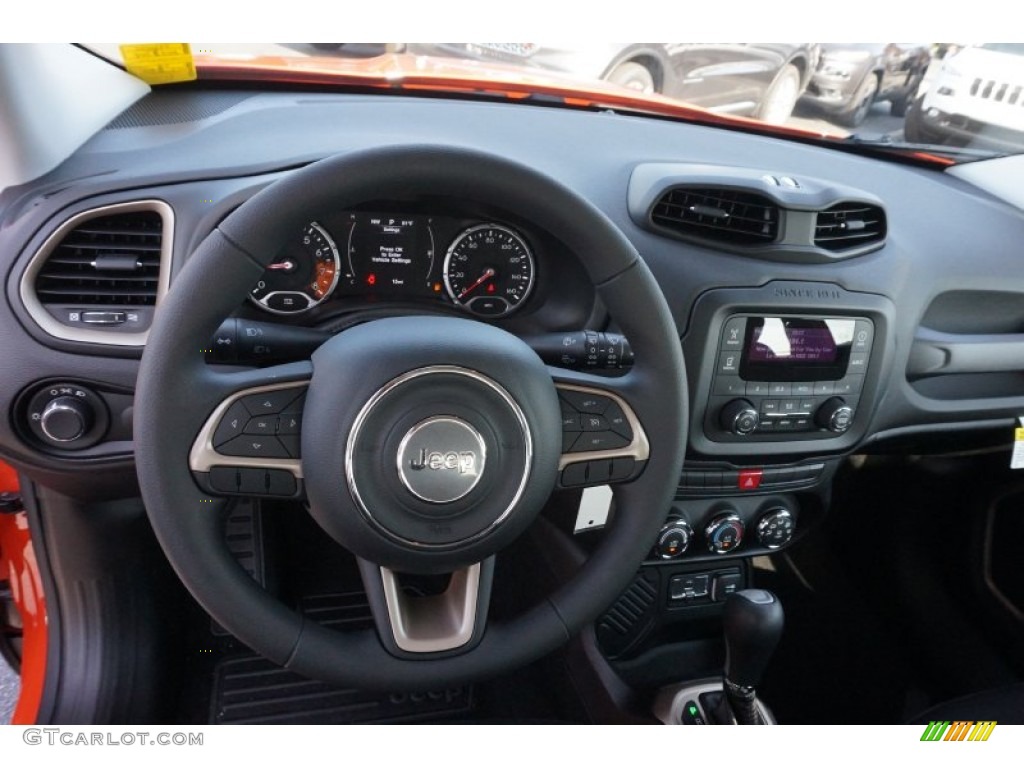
{"x": 302, "y": 275}
{"x": 489, "y": 270}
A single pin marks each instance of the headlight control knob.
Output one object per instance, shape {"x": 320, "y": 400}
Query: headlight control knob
{"x": 65, "y": 415}
{"x": 65, "y": 419}
{"x": 739, "y": 417}
{"x": 724, "y": 533}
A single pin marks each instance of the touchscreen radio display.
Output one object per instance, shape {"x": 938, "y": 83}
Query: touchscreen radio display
{"x": 796, "y": 349}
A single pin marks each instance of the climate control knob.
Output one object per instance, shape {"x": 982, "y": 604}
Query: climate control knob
{"x": 724, "y": 533}
{"x": 834, "y": 415}
{"x": 739, "y": 417}
{"x": 65, "y": 419}
{"x": 674, "y": 539}
{"x": 775, "y": 528}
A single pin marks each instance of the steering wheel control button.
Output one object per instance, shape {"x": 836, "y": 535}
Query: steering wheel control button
{"x": 232, "y": 424}
{"x": 599, "y": 441}
{"x": 274, "y": 402}
{"x": 254, "y": 446}
{"x": 442, "y": 459}
{"x": 261, "y": 425}
{"x": 724, "y": 534}
{"x": 775, "y": 528}
{"x": 252, "y": 481}
{"x": 289, "y": 424}
{"x": 594, "y": 423}
{"x": 585, "y": 402}
{"x": 617, "y": 421}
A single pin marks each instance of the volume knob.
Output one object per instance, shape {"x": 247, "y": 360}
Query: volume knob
{"x": 739, "y": 417}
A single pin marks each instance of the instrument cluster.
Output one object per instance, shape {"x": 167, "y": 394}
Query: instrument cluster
{"x": 486, "y": 268}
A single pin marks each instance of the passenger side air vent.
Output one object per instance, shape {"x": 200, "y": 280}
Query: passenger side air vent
{"x": 849, "y": 225}
{"x": 101, "y": 274}
{"x": 727, "y": 215}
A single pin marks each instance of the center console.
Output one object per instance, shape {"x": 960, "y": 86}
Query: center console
{"x": 783, "y": 379}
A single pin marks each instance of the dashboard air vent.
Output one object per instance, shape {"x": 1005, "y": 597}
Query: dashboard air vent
{"x": 849, "y": 225}
{"x": 727, "y": 215}
{"x": 111, "y": 259}
{"x": 100, "y": 275}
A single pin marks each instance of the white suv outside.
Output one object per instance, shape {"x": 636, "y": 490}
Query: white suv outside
{"x": 976, "y": 99}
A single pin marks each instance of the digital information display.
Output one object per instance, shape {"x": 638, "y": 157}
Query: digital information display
{"x": 390, "y": 254}
{"x": 796, "y": 349}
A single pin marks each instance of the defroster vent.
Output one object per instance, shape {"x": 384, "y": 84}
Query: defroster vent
{"x": 726, "y": 215}
{"x": 102, "y": 272}
{"x": 849, "y": 225}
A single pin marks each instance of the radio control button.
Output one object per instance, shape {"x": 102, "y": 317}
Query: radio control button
{"x": 858, "y": 362}
{"x": 770, "y": 408}
{"x": 729, "y": 362}
{"x": 780, "y": 389}
{"x": 803, "y": 389}
{"x": 732, "y": 334}
{"x": 824, "y": 387}
{"x": 758, "y": 388}
{"x": 730, "y": 385}
{"x": 788, "y": 406}
{"x": 849, "y": 386}
{"x": 863, "y": 331}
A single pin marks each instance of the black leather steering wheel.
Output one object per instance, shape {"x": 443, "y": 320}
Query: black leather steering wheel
{"x": 427, "y": 445}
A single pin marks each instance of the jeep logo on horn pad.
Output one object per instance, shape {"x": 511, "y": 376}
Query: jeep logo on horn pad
{"x": 441, "y": 459}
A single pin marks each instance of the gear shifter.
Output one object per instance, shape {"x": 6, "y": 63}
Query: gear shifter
{"x": 752, "y": 622}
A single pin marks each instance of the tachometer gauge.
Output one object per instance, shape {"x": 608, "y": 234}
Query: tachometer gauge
{"x": 489, "y": 270}
{"x": 302, "y": 275}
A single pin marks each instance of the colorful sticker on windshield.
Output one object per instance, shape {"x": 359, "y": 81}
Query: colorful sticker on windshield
{"x": 1017, "y": 457}
{"x": 158, "y": 63}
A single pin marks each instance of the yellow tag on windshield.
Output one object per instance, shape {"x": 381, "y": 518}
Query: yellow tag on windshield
{"x": 158, "y": 63}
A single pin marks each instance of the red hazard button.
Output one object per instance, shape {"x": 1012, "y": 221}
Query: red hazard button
{"x": 749, "y": 479}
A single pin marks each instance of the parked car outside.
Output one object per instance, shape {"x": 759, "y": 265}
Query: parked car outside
{"x": 976, "y": 99}
{"x": 761, "y": 80}
{"x": 851, "y": 77}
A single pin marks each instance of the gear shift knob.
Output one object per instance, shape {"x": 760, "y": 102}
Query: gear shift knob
{"x": 752, "y": 622}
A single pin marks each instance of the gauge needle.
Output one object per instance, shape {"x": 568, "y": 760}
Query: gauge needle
{"x": 283, "y": 265}
{"x": 487, "y": 275}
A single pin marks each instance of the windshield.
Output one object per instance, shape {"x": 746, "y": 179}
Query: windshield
{"x": 938, "y": 98}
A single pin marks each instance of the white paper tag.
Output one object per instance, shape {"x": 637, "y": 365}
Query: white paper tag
{"x": 1017, "y": 457}
{"x": 595, "y": 504}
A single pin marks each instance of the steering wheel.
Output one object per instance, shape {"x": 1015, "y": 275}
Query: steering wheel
{"x": 427, "y": 444}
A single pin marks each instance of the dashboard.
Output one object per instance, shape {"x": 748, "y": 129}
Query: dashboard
{"x": 826, "y": 302}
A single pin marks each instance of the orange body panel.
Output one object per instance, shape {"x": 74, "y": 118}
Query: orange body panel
{"x": 18, "y": 564}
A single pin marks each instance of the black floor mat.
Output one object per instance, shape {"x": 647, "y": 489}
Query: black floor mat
{"x": 252, "y": 690}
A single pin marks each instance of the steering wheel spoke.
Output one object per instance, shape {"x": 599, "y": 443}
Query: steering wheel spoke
{"x": 603, "y": 440}
{"x": 422, "y": 615}
{"x": 250, "y": 445}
